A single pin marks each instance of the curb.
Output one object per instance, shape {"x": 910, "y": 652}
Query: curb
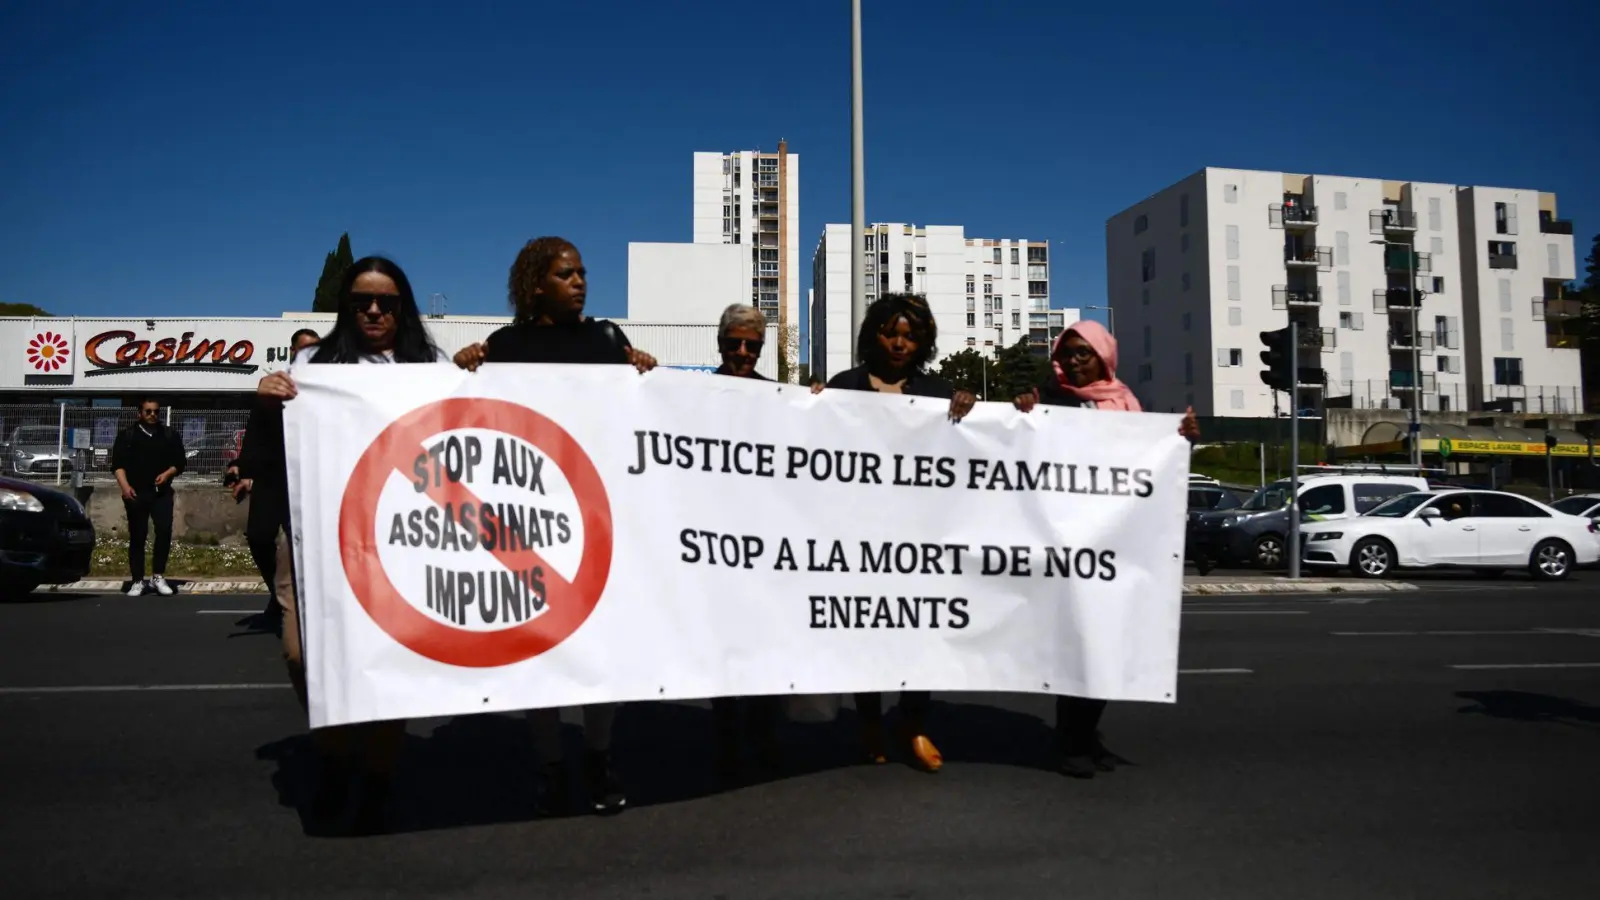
{"x": 1197, "y": 589}
{"x": 1301, "y": 586}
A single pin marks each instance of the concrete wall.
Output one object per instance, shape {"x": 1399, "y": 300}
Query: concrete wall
{"x": 203, "y": 512}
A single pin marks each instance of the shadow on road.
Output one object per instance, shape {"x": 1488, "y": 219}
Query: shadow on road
{"x": 1524, "y": 706}
{"x": 482, "y": 769}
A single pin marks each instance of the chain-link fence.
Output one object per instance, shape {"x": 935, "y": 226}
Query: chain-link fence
{"x": 50, "y": 441}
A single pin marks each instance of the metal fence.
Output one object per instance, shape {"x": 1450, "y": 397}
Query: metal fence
{"x": 1395, "y": 394}
{"x": 52, "y": 441}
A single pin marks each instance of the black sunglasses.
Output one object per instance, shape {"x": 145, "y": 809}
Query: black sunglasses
{"x": 732, "y": 345}
{"x": 361, "y": 302}
{"x": 1079, "y": 352}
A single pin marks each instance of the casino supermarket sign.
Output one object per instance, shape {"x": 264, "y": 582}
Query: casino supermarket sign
{"x": 110, "y": 352}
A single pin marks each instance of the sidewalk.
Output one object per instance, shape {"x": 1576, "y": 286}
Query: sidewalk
{"x": 1193, "y": 585}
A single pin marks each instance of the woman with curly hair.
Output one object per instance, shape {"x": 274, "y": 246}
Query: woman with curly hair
{"x": 896, "y": 343}
{"x": 548, "y": 287}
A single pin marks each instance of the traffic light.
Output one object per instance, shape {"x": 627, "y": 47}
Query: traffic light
{"x": 1278, "y": 356}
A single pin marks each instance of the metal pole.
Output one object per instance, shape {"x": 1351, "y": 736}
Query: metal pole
{"x": 985, "y": 364}
{"x": 1416, "y": 366}
{"x": 1261, "y": 457}
{"x": 1294, "y": 450}
{"x": 858, "y": 182}
{"x": 1549, "y": 470}
{"x": 61, "y": 438}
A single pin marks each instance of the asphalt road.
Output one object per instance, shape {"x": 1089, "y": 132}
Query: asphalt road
{"x": 1444, "y": 743}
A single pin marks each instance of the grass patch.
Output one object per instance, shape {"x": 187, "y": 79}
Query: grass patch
{"x": 187, "y": 560}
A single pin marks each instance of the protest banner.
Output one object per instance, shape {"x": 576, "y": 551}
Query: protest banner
{"x": 534, "y": 536}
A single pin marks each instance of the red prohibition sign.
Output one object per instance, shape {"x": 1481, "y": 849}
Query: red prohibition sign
{"x": 569, "y": 602}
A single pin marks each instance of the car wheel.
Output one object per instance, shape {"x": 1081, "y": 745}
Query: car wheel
{"x": 1488, "y": 574}
{"x": 1551, "y": 561}
{"x": 1269, "y": 552}
{"x": 1372, "y": 558}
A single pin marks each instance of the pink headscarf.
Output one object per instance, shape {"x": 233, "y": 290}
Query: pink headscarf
{"x": 1107, "y": 393}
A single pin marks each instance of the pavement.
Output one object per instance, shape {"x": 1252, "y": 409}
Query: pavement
{"x": 1439, "y": 742}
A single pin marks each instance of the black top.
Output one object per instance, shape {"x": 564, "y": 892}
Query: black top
{"x": 920, "y": 384}
{"x": 753, "y": 376}
{"x": 261, "y": 459}
{"x": 143, "y": 453}
{"x": 589, "y": 341}
{"x": 1051, "y": 394}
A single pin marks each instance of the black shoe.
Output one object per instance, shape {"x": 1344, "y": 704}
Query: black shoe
{"x": 1104, "y": 759}
{"x": 1077, "y": 765}
{"x": 553, "y": 799}
{"x": 605, "y": 786}
{"x": 372, "y": 806}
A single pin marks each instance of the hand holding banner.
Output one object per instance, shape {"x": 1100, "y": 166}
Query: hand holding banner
{"x": 533, "y": 536}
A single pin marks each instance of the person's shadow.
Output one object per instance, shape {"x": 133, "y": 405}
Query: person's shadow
{"x": 483, "y": 769}
{"x": 1524, "y": 706}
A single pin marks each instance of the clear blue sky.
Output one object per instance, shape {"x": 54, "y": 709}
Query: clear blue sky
{"x": 200, "y": 158}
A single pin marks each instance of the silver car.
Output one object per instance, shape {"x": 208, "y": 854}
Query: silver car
{"x": 34, "y": 450}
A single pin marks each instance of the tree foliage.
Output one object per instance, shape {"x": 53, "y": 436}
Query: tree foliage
{"x": 1020, "y": 370}
{"x": 965, "y": 370}
{"x": 326, "y": 299}
{"x": 22, "y": 310}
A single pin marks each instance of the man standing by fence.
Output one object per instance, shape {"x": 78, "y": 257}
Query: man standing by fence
{"x": 146, "y": 457}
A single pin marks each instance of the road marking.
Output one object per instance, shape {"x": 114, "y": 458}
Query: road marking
{"x": 226, "y": 612}
{"x": 1216, "y": 671}
{"x": 1247, "y": 612}
{"x": 1581, "y": 665}
{"x": 136, "y": 688}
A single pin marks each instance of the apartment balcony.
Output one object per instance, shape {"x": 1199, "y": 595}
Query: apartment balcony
{"x": 1316, "y": 340}
{"x": 1298, "y": 298}
{"x": 1549, "y": 224}
{"x": 1400, "y": 381}
{"x": 1502, "y": 260}
{"x": 1392, "y": 221}
{"x": 1396, "y": 299}
{"x": 1556, "y": 309}
{"x": 1405, "y": 340}
{"x": 1312, "y": 378}
{"x": 1308, "y": 258}
{"x": 1291, "y": 216}
{"x": 1401, "y": 260}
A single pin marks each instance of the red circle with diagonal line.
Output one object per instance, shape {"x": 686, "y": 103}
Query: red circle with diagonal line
{"x": 569, "y": 603}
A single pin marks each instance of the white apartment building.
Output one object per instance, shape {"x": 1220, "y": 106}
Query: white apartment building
{"x": 685, "y": 283}
{"x": 985, "y": 294}
{"x": 752, "y": 198}
{"x": 1197, "y": 271}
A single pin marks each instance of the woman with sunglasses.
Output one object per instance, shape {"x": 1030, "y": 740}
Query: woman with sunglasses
{"x": 378, "y": 323}
{"x": 1083, "y": 373}
{"x": 896, "y": 343}
{"x": 548, "y": 287}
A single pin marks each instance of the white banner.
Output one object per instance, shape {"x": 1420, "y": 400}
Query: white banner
{"x": 533, "y": 536}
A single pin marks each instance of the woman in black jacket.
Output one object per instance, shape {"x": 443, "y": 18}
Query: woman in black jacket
{"x": 896, "y": 343}
{"x": 548, "y": 288}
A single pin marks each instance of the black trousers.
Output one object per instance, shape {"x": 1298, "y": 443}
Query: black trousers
{"x": 913, "y": 709}
{"x": 1077, "y": 720}
{"x": 142, "y": 510}
{"x": 753, "y": 718}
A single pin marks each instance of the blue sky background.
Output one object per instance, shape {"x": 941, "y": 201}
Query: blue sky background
{"x": 200, "y": 158}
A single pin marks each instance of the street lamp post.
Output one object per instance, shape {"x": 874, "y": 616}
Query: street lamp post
{"x": 1416, "y": 351}
{"x": 1111, "y": 318}
{"x": 858, "y": 180}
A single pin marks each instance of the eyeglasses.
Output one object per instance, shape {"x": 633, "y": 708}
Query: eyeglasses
{"x": 361, "y": 302}
{"x": 733, "y": 344}
{"x": 149, "y": 411}
{"x": 1079, "y": 352}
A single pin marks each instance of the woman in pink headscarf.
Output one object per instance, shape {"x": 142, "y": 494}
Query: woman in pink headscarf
{"x": 1083, "y": 373}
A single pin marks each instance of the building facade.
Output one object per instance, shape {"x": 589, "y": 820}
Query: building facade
{"x": 685, "y": 282}
{"x": 985, "y": 294}
{"x": 752, "y": 198}
{"x": 1403, "y": 293}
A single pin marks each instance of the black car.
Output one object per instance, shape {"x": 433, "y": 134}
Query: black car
{"x": 45, "y": 537}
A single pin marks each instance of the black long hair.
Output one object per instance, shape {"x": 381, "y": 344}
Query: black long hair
{"x": 884, "y": 312}
{"x": 346, "y": 344}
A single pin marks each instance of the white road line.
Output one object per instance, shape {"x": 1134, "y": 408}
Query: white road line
{"x": 1247, "y": 612}
{"x": 136, "y": 688}
{"x": 1216, "y": 671}
{"x": 1581, "y": 665}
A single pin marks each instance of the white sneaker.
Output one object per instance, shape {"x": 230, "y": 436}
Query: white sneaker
{"x": 159, "y": 582}
{"x": 137, "y": 590}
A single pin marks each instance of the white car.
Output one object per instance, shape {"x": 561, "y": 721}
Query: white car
{"x": 1585, "y": 505}
{"x": 1487, "y": 531}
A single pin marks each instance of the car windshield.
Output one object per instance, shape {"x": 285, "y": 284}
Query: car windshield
{"x": 36, "y": 435}
{"x": 1575, "y": 506}
{"x": 1400, "y": 506}
{"x": 1273, "y": 496}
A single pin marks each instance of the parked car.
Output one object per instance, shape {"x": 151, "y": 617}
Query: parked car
{"x": 1257, "y": 532}
{"x": 1486, "y": 531}
{"x": 45, "y": 537}
{"x": 1586, "y": 505}
{"x": 35, "y": 449}
{"x": 211, "y": 453}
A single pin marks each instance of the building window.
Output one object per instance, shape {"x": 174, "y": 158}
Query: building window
{"x": 1038, "y": 288}
{"x": 988, "y": 288}
{"x": 1147, "y": 264}
{"x": 1502, "y": 254}
{"x": 1236, "y": 399}
{"x": 1341, "y": 248}
{"x": 1038, "y": 273}
{"x": 1343, "y": 279}
{"x": 1341, "y": 200}
{"x": 870, "y": 242}
{"x": 1552, "y": 261}
{"x": 1505, "y": 218}
{"x": 1016, "y": 256}
{"x": 970, "y": 284}
{"x": 1438, "y": 285}
{"x": 1234, "y": 292}
{"x": 1230, "y": 193}
{"x": 1508, "y": 337}
{"x": 1016, "y": 318}
{"x": 1183, "y": 210}
{"x": 1235, "y": 357}
{"x": 1183, "y": 242}
{"x": 972, "y": 320}
{"x": 988, "y": 320}
{"x": 1235, "y": 316}
{"x": 997, "y": 256}
{"x": 1435, "y": 214}
{"x": 1436, "y": 245}
{"x": 970, "y": 305}
{"x": 972, "y": 342}
{"x": 1141, "y": 224}
{"x": 1507, "y": 371}
{"x": 1233, "y": 241}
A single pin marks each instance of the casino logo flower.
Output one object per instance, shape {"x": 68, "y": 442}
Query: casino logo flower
{"x": 47, "y": 351}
